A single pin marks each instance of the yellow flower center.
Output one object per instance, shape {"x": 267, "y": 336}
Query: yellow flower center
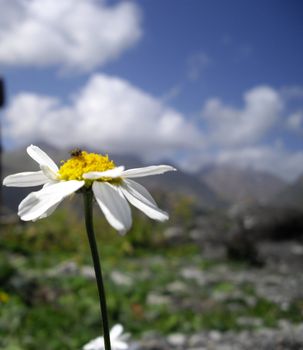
{"x": 82, "y": 162}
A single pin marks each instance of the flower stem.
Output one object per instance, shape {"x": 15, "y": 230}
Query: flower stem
{"x": 88, "y": 207}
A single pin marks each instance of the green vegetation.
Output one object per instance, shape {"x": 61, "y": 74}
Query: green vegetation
{"x": 46, "y": 305}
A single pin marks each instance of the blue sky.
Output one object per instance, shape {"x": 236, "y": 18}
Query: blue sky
{"x": 194, "y": 81}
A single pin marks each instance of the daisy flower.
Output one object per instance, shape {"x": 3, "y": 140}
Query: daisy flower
{"x": 112, "y": 187}
{"x": 117, "y": 338}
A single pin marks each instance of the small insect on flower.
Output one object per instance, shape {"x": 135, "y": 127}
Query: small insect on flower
{"x": 76, "y": 152}
{"x": 112, "y": 186}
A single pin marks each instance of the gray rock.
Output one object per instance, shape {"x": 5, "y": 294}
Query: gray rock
{"x": 67, "y": 268}
{"x": 249, "y": 321}
{"x": 177, "y": 287}
{"x": 158, "y": 299}
{"x": 88, "y": 272}
{"x": 176, "y": 339}
{"x": 286, "y": 337}
{"x": 173, "y": 232}
{"x": 193, "y": 273}
{"x": 121, "y": 279}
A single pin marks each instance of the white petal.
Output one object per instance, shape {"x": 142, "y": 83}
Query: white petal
{"x": 34, "y": 206}
{"x": 41, "y": 157}
{"x": 64, "y": 188}
{"x": 95, "y": 344}
{"x": 49, "y": 211}
{"x": 114, "y": 205}
{"x": 41, "y": 203}
{"x": 138, "y": 198}
{"x": 48, "y": 172}
{"x": 26, "y": 179}
{"x": 140, "y": 189}
{"x": 112, "y": 173}
{"x": 50, "y": 183}
{"x": 116, "y": 331}
{"x": 120, "y": 345}
{"x": 147, "y": 171}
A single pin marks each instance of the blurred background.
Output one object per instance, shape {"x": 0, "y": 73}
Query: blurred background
{"x": 214, "y": 88}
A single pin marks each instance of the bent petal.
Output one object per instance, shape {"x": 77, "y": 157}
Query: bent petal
{"x": 147, "y": 171}
{"x": 42, "y": 203}
{"x": 118, "y": 340}
{"x": 41, "y": 157}
{"x": 139, "y": 197}
{"x": 113, "y": 205}
{"x": 48, "y": 172}
{"x": 145, "y": 195}
{"x": 112, "y": 173}
{"x": 26, "y": 179}
{"x": 35, "y": 206}
{"x": 95, "y": 344}
{"x": 116, "y": 331}
{"x": 49, "y": 211}
{"x": 120, "y": 345}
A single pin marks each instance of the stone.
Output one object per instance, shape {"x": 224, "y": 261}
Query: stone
{"x": 88, "y": 272}
{"x": 121, "y": 279}
{"x": 193, "y": 273}
{"x": 177, "y": 287}
{"x": 67, "y": 268}
{"x": 249, "y": 321}
{"x": 158, "y": 299}
{"x": 177, "y": 339}
{"x": 173, "y": 232}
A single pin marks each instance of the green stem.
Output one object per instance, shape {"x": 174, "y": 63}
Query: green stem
{"x": 88, "y": 207}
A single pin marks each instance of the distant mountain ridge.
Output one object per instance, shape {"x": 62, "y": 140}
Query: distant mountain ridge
{"x": 239, "y": 185}
{"x": 212, "y": 186}
{"x": 291, "y": 196}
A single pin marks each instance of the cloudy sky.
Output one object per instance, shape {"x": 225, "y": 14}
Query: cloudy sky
{"x": 196, "y": 82}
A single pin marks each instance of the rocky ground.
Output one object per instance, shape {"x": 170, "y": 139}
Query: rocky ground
{"x": 279, "y": 286}
{"x": 213, "y": 284}
{"x": 278, "y": 280}
{"x": 286, "y": 337}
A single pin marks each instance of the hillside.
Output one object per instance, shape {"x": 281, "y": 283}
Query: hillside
{"x": 291, "y": 196}
{"x": 237, "y": 185}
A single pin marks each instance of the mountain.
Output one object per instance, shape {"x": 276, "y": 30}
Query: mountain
{"x": 185, "y": 184}
{"x": 237, "y": 185}
{"x": 291, "y": 196}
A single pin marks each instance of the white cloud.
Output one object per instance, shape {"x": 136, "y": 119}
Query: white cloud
{"x": 276, "y": 160}
{"x": 231, "y": 126}
{"x": 111, "y": 115}
{"x": 239, "y": 136}
{"x": 273, "y": 159}
{"x": 108, "y": 113}
{"x": 25, "y": 111}
{"x": 78, "y": 34}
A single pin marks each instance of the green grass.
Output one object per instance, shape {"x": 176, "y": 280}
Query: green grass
{"x": 43, "y": 311}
